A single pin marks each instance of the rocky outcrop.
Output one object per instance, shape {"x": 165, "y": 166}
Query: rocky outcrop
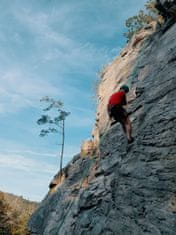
{"x": 125, "y": 189}
{"x": 167, "y": 9}
{"x": 58, "y": 179}
{"x": 88, "y": 148}
{"x": 58, "y": 206}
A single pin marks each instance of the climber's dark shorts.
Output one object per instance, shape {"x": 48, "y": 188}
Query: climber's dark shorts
{"x": 118, "y": 113}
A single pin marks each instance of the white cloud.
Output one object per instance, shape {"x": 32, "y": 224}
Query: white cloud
{"x": 18, "y": 90}
{"x": 14, "y": 151}
{"x": 40, "y": 25}
{"x": 21, "y": 83}
{"x": 33, "y": 153}
{"x": 19, "y": 162}
{"x": 56, "y": 44}
{"x": 28, "y": 172}
{"x": 69, "y": 152}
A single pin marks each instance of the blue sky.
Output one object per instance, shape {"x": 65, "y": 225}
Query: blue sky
{"x": 54, "y": 48}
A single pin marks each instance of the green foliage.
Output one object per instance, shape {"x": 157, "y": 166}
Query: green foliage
{"x": 150, "y": 6}
{"x": 55, "y": 124}
{"x": 142, "y": 19}
{"x": 5, "y": 227}
{"x": 14, "y": 214}
{"x": 136, "y": 23}
{"x": 20, "y": 223}
{"x": 61, "y": 115}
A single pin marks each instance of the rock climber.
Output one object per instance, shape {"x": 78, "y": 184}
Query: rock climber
{"x": 118, "y": 113}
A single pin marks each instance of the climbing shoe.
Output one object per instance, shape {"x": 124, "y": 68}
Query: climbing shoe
{"x": 131, "y": 140}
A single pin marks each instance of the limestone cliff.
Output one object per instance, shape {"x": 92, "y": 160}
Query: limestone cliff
{"x": 124, "y": 189}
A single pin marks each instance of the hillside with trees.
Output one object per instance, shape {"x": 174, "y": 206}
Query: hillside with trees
{"x": 14, "y": 214}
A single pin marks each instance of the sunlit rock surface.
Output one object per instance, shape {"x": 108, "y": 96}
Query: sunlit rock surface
{"x": 125, "y": 189}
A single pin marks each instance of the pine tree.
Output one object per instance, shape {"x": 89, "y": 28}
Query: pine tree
{"x": 55, "y": 124}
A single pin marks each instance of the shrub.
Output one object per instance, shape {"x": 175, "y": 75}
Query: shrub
{"x": 142, "y": 19}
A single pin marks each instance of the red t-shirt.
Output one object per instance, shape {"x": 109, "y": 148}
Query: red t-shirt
{"x": 118, "y": 98}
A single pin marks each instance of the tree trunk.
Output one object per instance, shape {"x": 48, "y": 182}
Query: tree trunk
{"x": 62, "y": 148}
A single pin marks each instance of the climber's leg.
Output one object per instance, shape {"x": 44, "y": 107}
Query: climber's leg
{"x": 127, "y": 127}
{"x": 112, "y": 112}
{"x": 119, "y": 114}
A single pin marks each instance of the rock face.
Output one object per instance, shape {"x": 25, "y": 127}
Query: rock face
{"x": 169, "y": 6}
{"x": 167, "y": 9}
{"x": 88, "y": 148}
{"x": 122, "y": 70}
{"x": 125, "y": 189}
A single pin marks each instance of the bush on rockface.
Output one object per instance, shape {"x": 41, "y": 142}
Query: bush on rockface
{"x": 135, "y": 23}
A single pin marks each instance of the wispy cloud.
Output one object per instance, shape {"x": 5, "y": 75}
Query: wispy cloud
{"x": 19, "y": 162}
{"x": 35, "y": 156}
{"x": 49, "y": 31}
{"x": 19, "y": 90}
{"x": 23, "y": 82}
{"x": 30, "y": 152}
{"x": 40, "y": 26}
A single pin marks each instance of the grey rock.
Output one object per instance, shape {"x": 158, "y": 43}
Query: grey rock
{"x": 131, "y": 189}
